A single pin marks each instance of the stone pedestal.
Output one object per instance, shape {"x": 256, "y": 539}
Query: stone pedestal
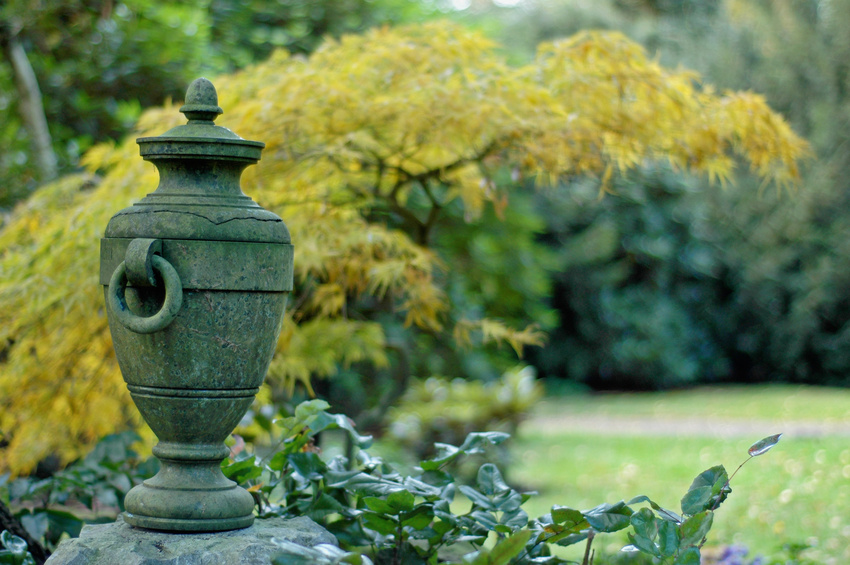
{"x": 111, "y": 544}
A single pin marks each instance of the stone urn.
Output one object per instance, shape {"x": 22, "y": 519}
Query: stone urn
{"x": 196, "y": 277}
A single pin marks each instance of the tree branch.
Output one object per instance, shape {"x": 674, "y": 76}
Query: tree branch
{"x": 14, "y": 526}
{"x": 30, "y": 104}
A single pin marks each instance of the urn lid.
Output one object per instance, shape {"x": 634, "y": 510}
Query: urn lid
{"x": 199, "y": 195}
{"x": 200, "y": 137}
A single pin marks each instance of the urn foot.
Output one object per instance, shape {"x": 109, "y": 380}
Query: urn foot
{"x": 189, "y": 496}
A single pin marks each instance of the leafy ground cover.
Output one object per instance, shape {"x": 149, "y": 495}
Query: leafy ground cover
{"x": 800, "y": 494}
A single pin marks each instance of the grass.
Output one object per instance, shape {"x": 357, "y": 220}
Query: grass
{"x": 797, "y": 493}
{"x": 774, "y": 402}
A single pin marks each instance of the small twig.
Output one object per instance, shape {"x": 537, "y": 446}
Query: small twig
{"x": 398, "y": 542}
{"x": 588, "y": 555}
{"x": 719, "y": 500}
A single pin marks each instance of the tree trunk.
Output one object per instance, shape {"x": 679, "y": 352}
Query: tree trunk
{"x": 9, "y": 522}
{"x": 31, "y": 106}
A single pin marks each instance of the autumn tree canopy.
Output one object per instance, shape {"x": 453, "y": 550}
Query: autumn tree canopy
{"x": 367, "y": 142}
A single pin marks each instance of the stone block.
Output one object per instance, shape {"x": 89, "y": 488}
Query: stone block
{"x": 121, "y": 544}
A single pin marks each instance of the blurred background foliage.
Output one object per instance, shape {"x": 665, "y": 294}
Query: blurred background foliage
{"x": 670, "y": 284}
{"x": 98, "y": 63}
{"x": 667, "y": 283}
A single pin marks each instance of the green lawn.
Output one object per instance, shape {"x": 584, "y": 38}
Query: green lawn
{"x": 777, "y": 402}
{"x": 798, "y": 492}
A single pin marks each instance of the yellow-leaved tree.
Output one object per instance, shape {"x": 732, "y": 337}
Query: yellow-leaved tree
{"x": 367, "y": 142}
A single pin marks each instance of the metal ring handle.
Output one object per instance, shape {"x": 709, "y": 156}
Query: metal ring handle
{"x": 170, "y": 306}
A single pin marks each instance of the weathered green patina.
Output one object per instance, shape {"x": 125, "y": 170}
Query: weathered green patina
{"x": 196, "y": 277}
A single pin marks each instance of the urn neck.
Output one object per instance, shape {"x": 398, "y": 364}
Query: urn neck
{"x": 199, "y": 177}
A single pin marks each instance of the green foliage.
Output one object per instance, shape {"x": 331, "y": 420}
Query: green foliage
{"x": 675, "y": 539}
{"x": 13, "y": 550}
{"x": 322, "y": 554}
{"x": 98, "y": 66}
{"x": 792, "y": 554}
{"x": 247, "y": 31}
{"x": 766, "y": 303}
{"x": 99, "y": 482}
{"x": 439, "y": 410}
{"x": 380, "y": 515}
{"x": 368, "y": 141}
{"x": 638, "y": 273}
{"x": 392, "y": 518}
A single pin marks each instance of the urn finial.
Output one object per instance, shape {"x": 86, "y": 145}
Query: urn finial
{"x": 201, "y": 102}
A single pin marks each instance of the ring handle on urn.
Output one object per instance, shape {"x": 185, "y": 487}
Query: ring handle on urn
{"x": 170, "y": 306}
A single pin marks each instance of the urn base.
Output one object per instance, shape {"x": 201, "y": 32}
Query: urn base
{"x": 189, "y": 496}
{"x": 196, "y": 526}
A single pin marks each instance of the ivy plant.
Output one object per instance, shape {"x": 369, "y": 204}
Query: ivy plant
{"x": 98, "y": 481}
{"x": 382, "y": 516}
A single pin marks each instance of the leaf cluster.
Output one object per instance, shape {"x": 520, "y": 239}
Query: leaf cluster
{"x": 97, "y": 482}
{"x": 383, "y": 516}
{"x": 378, "y": 514}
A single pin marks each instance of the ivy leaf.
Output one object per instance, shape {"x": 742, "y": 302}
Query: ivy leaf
{"x": 309, "y": 409}
{"x": 690, "y": 556}
{"x": 379, "y": 523}
{"x": 324, "y": 421}
{"x": 323, "y": 506}
{"x": 762, "y": 446}
{"x": 419, "y": 518}
{"x": 16, "y": 546}
{"x": 278, "y": 461}
{"x": 308, "y": 465}
{"x": 490, "y": 480}
{"x": 668, "y": 538}
{"x": 473, "y": 444}
{"x": 401, "y": 501}
{"x": 504, "y": 551}
{"x": 708, "y": 490}
{"x": 695, "y": 529}
{"x": 609, "y": 517}
{"x": 663, "y": 512}
{"x": 322, "y": 554}
{"x": 62, "y": 522}
{"x": 35, "y": 523}
{"x": 242, "y": 471}
{"x": 569, "y": 518}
